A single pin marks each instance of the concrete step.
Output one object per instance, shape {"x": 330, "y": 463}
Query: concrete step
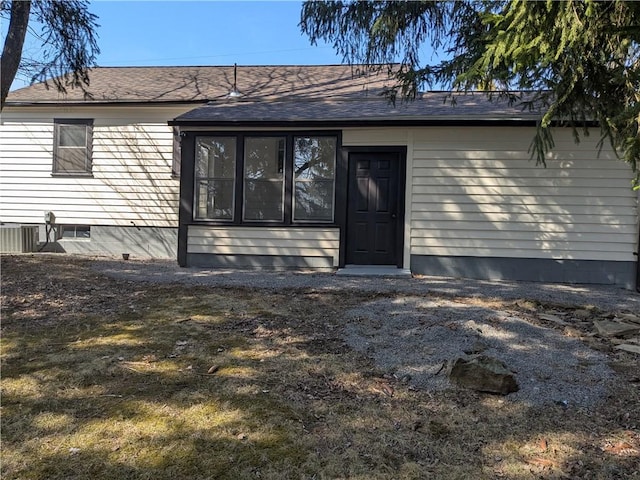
{"x": 374, "y": 271}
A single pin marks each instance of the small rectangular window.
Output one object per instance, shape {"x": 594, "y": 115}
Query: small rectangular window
{"x": 72, "y": 147}
{"x": 75, "y": 231}
{"x": 264, "y": 159}
{"x": 215, "y": 178}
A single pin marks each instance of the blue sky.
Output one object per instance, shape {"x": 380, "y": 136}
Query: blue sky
{"x": 202, "y": 33}
{"x": 205, "y": 32}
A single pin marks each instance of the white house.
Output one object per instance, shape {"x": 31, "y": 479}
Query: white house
{"x": 309, "y": 166}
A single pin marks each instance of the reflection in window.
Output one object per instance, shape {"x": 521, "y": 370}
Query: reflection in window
{"x": 264, "y": 178}
{"x": 313, "y": 175}
{"x": 215, "y": 177}
{"x": 285, "y": 178}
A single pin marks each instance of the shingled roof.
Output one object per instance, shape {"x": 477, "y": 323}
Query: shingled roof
{"x": 202, "y": 84}
{"x": 346, "y": 111}
{"x": 277, "y": 95}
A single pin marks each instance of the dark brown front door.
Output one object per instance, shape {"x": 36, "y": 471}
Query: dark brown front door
{"x": 373, "y": 209}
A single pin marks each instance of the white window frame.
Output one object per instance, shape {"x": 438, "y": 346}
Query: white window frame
{"x": 59, "y": 123}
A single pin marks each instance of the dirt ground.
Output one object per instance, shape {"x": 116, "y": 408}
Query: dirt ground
{"x": 111, "y": 378}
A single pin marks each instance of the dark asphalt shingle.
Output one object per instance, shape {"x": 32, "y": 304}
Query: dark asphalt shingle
{"x": 200, "y": 84}
{"x": 370, "y": 108}
{"x": 315, "y": 93}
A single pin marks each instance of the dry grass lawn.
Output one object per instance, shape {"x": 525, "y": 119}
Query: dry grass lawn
{"x": 107, "y": 379}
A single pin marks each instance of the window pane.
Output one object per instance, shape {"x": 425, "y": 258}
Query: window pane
{"x": 83, "y": 231}
{"x": 263, "y": 200}
{"x": 314, "y": 174}
{"x": 314, "y": 157}
{"x": 72, "y": 135}
{"x": 314, "y": 201}
{"x": 75, "y": 231}
{"x": 68, "y": 231}
{"x": 215, "y": 177}
{"x": 215, "y": 199}
{"x": 264, "y": 178}
{"x": 215, "y": 157}
{"x": 72, "y": 160}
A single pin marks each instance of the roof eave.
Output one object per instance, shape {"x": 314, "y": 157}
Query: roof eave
{"x": 364, "y": 122}
{"x": 101, "y": 103}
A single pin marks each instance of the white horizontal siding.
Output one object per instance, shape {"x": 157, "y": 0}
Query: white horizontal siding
{"x": 281, "y": 241}
{"x": 353, "y": 137}
{"x": 103, "y": 115}
{"x": 475, "y": 192}
{"x": 131, "y": 181}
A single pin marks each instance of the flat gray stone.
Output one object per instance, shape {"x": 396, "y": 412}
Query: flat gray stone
{"x": 552, "y": 318}
{"x": 628, "y": 348}
{"x": 629, "y": 317}
{"x": 610, "y": 328}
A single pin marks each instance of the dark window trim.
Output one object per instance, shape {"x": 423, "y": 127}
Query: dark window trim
{"x": 176, "y": 153}
{"x": 188, "y": 183}
{"x": 57, "y": 122}
{"x": 187, "y": 192}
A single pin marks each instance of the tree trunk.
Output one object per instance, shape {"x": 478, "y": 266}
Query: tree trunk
{"x": 12, "y": 51}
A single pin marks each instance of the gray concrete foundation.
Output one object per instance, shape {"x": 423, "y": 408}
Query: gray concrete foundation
{"x": 258, "y": 261}
{"x": 138, "y": 242}
{"x": 528, "y": 269}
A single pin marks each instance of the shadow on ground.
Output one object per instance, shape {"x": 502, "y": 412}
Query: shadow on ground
{"x": 115, "y": 378}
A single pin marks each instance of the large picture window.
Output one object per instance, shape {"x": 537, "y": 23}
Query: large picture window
{"x": 280, "y": 178}
{"x": 215, "y": 178}
{"x": 72, "y": 142}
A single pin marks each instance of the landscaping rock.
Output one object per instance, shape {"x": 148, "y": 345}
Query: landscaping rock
{"x": 610, "y": 328}
{"x": 484, "y": 374}
{"x": 626, "y": 347}
{"x": 629, "y": 317}
{"x": 552, "y": 318}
